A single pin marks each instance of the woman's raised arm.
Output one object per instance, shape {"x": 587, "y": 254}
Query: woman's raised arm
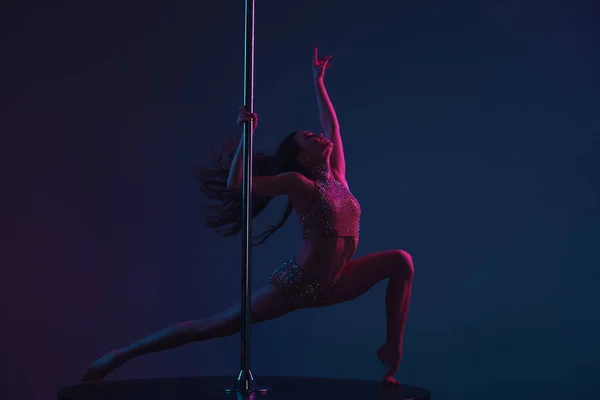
{"x": 329, "y": 121}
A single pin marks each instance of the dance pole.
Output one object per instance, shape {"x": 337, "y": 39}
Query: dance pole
{"x": 245, "y": 381}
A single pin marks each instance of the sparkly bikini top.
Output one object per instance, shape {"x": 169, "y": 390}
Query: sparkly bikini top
{"x": 333, "y": 211}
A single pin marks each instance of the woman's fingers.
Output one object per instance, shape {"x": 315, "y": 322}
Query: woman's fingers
{"x": 243, "y": 109}
{"x": 246, "y": 116}
{"x": 324, "y": 62}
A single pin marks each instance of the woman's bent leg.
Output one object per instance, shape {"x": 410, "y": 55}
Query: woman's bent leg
{"x": 362, "y": 274}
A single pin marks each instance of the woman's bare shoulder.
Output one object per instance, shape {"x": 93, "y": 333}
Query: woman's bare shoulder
{"x": 301, "y": 190}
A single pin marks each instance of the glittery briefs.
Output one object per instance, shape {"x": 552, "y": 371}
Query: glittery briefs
{"x": 291, "y": 279}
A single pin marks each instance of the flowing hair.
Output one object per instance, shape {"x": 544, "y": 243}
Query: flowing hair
{"x": 225, "y": 216}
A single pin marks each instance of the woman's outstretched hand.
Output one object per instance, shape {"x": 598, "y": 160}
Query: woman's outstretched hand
{"x": 245, "y": 116}
{"x": 319, "y": 65}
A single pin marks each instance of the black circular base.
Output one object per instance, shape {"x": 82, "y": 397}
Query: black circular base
{"x": 211, "y": 388}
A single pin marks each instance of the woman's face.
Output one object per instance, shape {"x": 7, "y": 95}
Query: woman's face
{"x": 315, "y": 149}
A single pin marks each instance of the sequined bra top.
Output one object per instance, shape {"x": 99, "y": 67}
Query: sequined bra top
{"x": 333, "y": 211}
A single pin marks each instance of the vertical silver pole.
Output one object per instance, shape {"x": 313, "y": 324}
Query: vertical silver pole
{"x": 245, "y": 382}
{"x": 245, "y": 379}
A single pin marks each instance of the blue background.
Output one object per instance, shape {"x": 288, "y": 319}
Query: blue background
{"x": 471, "y": 133}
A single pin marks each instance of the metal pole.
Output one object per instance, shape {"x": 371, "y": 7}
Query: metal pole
{"x": 245, "y": 381}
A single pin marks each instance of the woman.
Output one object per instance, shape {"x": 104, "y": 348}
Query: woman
{"x": 310, "y": 170}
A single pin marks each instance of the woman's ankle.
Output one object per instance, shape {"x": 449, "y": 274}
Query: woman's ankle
{"x": 122, "y": 355}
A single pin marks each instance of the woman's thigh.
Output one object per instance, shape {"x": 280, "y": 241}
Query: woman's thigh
{"x": 363, "y": 273}
{"x": 267, "y": 302}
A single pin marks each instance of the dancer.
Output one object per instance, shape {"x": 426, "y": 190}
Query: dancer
{"x": 310, "y": 170}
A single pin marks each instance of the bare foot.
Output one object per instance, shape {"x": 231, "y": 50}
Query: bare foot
{"x": 390, "y": 359}
{"x": 390, "y": 381}
{"x": 102, "y": 367}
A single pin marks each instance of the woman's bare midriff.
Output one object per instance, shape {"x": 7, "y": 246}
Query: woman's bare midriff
{"x": 325, "y": 258}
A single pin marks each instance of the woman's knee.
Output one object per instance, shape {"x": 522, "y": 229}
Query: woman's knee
{"x": 404, "y": 264}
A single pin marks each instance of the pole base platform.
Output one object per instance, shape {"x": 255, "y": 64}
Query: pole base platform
{"x": 253, "y": 389}
{"x": 212, "y": 388}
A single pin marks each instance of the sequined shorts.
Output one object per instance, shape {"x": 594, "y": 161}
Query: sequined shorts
{"x": 292, "y": 280}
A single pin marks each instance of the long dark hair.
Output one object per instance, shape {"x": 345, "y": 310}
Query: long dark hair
{"x": 225, "y": 217}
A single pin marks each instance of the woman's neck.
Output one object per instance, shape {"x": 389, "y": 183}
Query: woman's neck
{"x": 321, "y": 171}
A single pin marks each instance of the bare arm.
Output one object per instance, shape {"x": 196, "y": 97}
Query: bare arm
{"x": 331, "y": 127}
{"x": 284, "y": 183}
{"x": 235, "y": 170}
{"x": 327, "y": 115}
{"x": 287, "y": 183}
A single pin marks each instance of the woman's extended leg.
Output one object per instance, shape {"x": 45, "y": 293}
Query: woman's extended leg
{"x": 267, "y": 303}
{"x": 362, "y": 274}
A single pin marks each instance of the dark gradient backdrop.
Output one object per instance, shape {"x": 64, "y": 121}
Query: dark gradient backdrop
{"x": 471, "y": 133}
